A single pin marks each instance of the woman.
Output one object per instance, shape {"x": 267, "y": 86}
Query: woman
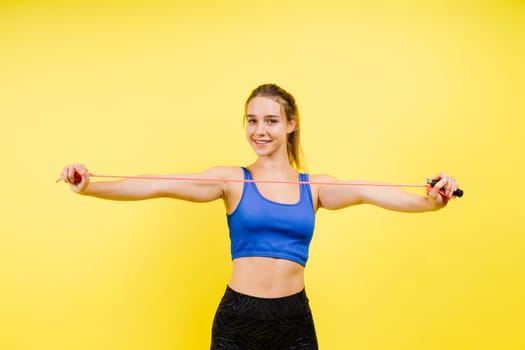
{"x": 271, "y": 223}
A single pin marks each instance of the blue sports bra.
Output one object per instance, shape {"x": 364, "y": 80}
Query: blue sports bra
{"x": 261, "y": 227}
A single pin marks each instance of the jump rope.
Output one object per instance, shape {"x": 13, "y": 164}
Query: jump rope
{"x": 429, "y": 183}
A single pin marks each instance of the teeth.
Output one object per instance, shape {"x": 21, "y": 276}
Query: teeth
{"x": 261, "y": 142}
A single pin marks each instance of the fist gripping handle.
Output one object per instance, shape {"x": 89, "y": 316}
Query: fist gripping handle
{"x": 456, "y": 193}
{"x": 78, "y": 178}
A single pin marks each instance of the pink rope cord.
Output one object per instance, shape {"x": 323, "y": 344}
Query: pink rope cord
{"x": 203, "y": 179}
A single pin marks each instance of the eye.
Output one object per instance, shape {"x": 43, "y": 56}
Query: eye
{"x": 272, "y": 121}
{"x": 251, "y": 121}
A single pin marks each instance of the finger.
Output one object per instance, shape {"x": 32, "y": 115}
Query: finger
{"x": 80, "y": 168}
{"x": 71, "y": 174}
{"x": 77, "y": 175}
{"x": 453, "y": 186}
{"x": 438, "y": 187}
{"x": 80, "y": 174}
{"x": 450, "y": 185}
{"x": 441, "y": 180}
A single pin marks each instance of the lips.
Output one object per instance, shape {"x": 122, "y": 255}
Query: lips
{"x": 262, "y": 142}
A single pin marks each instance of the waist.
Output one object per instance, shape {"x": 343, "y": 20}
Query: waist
{"x": 266, "y": 277}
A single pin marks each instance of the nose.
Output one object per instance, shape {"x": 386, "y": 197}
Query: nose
{"x": 260, "y": 129}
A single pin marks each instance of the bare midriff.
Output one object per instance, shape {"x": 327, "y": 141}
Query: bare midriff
{"x": 266, "y": 277}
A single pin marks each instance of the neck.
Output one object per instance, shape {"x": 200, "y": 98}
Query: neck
{"x": 270, "y": 168}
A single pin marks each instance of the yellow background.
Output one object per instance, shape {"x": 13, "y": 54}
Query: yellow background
{"x": 389, "y": 90}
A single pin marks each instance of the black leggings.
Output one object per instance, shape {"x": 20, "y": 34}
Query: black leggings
{"x": 244, "y": 322}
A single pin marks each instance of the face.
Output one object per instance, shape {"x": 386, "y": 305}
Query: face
{"x": 267, "y": 127}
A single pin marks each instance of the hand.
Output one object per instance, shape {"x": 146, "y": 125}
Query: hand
{"x": 443, "y": 190}
{"x": 77, "y": 176}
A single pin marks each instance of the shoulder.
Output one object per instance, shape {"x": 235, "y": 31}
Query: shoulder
{"x": 321, "y": 178}
{"x": 232, "y": 190}
{"x": 319, "y": 181}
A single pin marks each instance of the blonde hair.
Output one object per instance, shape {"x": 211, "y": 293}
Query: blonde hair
{"x": 287, "y": 101}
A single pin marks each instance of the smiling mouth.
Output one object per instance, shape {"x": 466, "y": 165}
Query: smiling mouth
{"x": 261, "y": 142}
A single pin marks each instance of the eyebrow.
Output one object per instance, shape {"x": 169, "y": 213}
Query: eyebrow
{"x": 266, "y": 116}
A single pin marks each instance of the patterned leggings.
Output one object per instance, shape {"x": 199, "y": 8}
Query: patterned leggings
{"x": 244, "y": 322}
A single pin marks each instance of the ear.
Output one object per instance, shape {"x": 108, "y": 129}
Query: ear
{"x": 290, "y": 126}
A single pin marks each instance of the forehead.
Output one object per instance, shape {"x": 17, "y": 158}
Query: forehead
{"x": 263, "y": 106}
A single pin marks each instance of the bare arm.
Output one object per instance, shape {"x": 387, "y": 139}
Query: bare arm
{"x": 392, "y": 198}
{"x": 138, "y": 189}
